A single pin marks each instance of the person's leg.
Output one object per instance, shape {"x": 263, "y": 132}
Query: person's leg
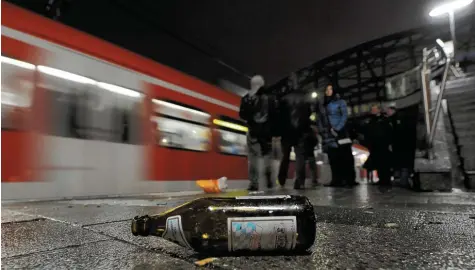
{"x": 349, "y": 165}
{"x": 312, "y": 163}
{"x": 310, "y": 157}
{"x": 266, "y": 151}
{"x": 384, "y": 173}
{"x": 333, "y": 159}
{"x": 300, "y": 164}
{"x": 253, "y": 160}
{"x": 284, "y": 163}
{"x": 404, "y": 177}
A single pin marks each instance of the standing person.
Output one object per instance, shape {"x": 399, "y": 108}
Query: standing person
{"x": 379, "y": 142}
{"x": 403, "y": 144}
{"x": 338, "y": 144}
{"x": 258, "y": 109}
{"x": 295, "y": 121}
{"x": 311, "y": 143}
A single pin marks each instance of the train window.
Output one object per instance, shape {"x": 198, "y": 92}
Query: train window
{"x": 82, "y": 108}
{"x": 17, "y": 93}
{"x": 180, "y": 126}
{"x": 232, "y": 136}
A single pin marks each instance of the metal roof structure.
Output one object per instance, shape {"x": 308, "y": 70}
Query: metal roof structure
{"x": 360, "y": 73}
{"x": 224, "y": 42}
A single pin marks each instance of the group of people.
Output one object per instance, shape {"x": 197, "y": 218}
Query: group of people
{"x": 391, "y": 142}
{"x": 296, "y": 121}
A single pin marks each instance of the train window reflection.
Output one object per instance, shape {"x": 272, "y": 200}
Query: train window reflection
{"x": 181, "y": 127}
{"x": 65, "y": 75}
{"x": 180, "y": 111}
{"x": 16, "y": 93}
{"x": 232, "y": 136}
{"x": 79, "y": 108}
{"x": 17, "y": 63}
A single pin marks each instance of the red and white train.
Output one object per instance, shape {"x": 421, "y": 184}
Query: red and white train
{"x": 83, "y": 117}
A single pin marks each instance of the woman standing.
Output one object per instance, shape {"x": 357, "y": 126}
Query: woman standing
{"x": 336, "y": 142}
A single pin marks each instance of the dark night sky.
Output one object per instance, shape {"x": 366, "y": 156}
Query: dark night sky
{"x": 270, "y": 37}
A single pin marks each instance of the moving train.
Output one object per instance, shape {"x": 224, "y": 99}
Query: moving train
{"x": 83, "y": 117}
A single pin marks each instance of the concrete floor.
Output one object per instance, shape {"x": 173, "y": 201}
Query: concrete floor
{"x": 357, "y": 228}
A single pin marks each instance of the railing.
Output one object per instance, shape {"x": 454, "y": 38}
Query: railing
{"x": 419, "y": 78}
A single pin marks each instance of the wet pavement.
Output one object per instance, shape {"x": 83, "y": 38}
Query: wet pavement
{"x": 357, "y": 228}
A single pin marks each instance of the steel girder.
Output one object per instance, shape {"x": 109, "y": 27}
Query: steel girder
{"x": 360, "y": 73}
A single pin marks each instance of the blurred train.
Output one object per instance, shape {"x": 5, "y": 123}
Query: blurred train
{"x": 82, "y": 117}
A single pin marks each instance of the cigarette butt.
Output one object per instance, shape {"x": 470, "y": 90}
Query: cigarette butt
{"x": 205, "y": 261}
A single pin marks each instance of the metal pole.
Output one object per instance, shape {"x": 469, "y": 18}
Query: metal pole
{"x": 452, "y": 32}
{"x": 439, "y": 102}
{"x": 424, "y": 92}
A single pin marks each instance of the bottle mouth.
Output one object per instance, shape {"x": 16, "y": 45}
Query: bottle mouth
{"x": 141, "y": 226}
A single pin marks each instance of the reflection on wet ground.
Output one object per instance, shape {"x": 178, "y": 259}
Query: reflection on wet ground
{"x": 357, "y": 228}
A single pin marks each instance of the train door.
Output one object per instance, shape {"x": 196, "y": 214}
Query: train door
{"x": 18, "y": 148}
{"x": 182, "y": 143}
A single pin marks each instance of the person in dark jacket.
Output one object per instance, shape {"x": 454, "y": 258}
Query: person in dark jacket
{"x": 380, "y": 146}
{"x": 258, "y": 109}
{"x": 295, "y": 112}
{"x": 336, "y": 142}
{"x": 403, "y": 144}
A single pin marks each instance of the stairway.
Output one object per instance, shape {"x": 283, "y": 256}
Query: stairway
{"x": 460, "y": 96}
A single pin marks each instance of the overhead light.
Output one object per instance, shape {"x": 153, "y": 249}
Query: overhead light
{"x": 440, "y": 42}
{"x": 449, "y": 7}
{"x": 319, "y": 162}
{"x": 17, "y": 63}
{"x": 354, "y": 153}
{"x": 314, "y": 95}
{"x": 65, "y": 75}
{"x": 119, "y": 90}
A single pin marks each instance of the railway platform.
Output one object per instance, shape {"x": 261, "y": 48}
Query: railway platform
{"x": 357, "y": 228}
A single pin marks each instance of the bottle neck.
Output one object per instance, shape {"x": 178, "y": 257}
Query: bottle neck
{"x": 149, "y": 225}
{"x": 158, "y": 224}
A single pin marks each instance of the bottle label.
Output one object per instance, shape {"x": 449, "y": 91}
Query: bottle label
{"x": 174, "y": 231}
{"x": 263, "y": 197}
{"x": 262, "y": 233}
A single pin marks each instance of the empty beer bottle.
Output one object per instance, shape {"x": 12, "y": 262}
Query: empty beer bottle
{"x": 236, "y": 224}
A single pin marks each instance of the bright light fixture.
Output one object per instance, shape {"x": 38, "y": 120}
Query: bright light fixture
{"x": 440, "y": 42}
{"x": 449, "y": 7}
{"x": 314, "y": 95}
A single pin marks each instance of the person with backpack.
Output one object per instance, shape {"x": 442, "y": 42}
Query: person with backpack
{"x": 296, "y": 131}
{"x": 258, "y": 108}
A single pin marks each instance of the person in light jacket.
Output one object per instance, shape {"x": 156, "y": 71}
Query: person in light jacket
{"x": 336, "y": 141}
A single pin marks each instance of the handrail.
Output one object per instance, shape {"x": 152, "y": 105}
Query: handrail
{"x": 431, "y": 124}
{"x": 434, "y": 57}
{"x": 439, "y": 101}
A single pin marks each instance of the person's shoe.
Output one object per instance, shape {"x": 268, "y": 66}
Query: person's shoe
{"x": 315, "y": 184}
{"x": 280, "y": 183}
{"x": 252, "y": 188}
{"x": 385, "y": 188}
